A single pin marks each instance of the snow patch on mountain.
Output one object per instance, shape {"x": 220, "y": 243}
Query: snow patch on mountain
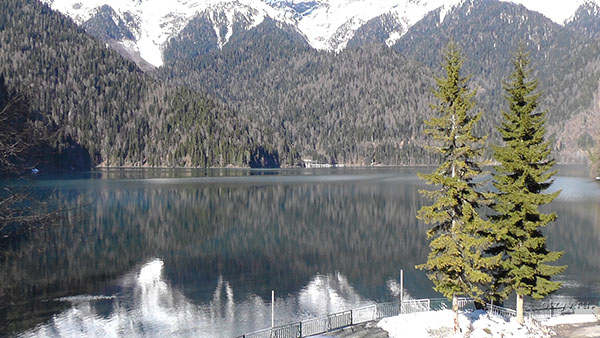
{"x": 153, "y": 22}
{"x": 326, "y": 24}
{"x": 332, "y": 24}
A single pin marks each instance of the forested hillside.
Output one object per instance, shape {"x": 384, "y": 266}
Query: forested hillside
{"x": 360, "y": 106}
{"x": 273, "y": 99}
{"x": 281, "y": 83}
{"x": 103, "y": 103}
{"x": 566, "y": 59}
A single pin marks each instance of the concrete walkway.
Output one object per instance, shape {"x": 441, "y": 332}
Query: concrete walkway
{"x": 577, "y": 330}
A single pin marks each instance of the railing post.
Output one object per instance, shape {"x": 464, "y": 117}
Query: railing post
{"x": 301, "y": 330}
{"x": 401, "y": 288}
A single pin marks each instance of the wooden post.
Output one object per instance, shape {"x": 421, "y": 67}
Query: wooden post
{"x": 520, "y": 318}
{"x": 272, "y": 308}
{"x": 455, "y": 310}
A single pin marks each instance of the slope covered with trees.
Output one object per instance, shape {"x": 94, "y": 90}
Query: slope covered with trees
{"x": 281, "y": 99}
{"x": 269, "y": 73}
{"x": 103, "y": 103}
{"x": 566, "y": 59}
{"x": 360, "y": 106}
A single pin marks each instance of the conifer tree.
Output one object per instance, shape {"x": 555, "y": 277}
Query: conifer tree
{"x": 457, "y": 263}
{"x": 524, "y": 173}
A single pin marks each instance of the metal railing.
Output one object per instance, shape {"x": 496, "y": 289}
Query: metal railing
{"x": 348, "y": 318}
{"x": 539, "y": 313}
{"x": 501, "y": 311}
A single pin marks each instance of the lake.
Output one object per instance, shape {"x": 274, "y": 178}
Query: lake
{"x": 197, "y": 252}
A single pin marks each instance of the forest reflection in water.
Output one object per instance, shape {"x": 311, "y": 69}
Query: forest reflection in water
{"x": 325, "y": 240}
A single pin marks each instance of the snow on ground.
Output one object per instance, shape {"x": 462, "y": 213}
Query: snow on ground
{"x": 475, "y": 324}
{"x": 571, "y": 319}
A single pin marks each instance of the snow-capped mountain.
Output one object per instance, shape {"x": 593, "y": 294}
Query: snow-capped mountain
{"x": 143, "y": 27}
{"x": 152, "y": 22}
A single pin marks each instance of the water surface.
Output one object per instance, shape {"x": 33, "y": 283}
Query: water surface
{"x": 197, "y": 252}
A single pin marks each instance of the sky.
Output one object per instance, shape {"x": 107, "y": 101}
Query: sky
{"x": 556, "y": 10}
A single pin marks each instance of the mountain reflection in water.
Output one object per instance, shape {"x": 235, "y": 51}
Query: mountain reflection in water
{"x": 148, "y": 306}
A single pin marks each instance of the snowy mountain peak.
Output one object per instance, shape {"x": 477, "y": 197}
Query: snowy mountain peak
{"x": 143, "y": 27}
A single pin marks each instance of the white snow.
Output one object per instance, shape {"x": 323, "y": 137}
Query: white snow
{"x": 322, "y": 24}
{"x": 329, "y": 26}
{"x": 472, "y": 324}
{"x": 393, "y": 38}
{"x": 571, "y": 319}
{"x": 158, "y": 20}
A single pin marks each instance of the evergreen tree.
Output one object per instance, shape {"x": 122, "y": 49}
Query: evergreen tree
{"x": 521, "y": 178}
{"x": 457, "y": 262}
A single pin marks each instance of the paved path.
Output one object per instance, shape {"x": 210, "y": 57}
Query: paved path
{"x": 577, "y": 330}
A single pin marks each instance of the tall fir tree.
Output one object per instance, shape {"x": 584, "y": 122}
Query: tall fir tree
{"x": 457, "y": 263}
{"x": 523, "y": 174}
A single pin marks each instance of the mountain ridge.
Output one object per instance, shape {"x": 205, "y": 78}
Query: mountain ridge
{"x": 364, "y": 104}
{"x": 327, "y": 25}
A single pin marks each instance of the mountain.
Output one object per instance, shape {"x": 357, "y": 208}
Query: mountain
{"x": 274, "y": 98}
{"x": 141, "y": 29}
{"x": 586, "y": 20}
{"x": 565, "y": 58}
{"x": 104, "y": 104}
{"x": 271, "y": 82}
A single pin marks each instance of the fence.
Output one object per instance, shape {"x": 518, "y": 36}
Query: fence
{"x": 359, "y": 315}
{"x": 501, "y": 311}
{"x": 548, "y": 311}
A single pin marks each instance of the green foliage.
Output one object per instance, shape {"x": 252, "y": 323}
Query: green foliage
{"x": 524, "y": 173}
{"x": 457, "y": 262}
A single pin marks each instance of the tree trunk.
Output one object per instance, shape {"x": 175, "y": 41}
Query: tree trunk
{"x": 520, "y": 318}
{"x": 455, "y": 309}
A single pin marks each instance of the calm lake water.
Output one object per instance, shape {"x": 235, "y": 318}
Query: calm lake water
{"x": 197, "y": 252}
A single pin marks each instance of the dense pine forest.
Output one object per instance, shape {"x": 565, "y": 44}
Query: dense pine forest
{"x": 103, "y": 103}
{"x": 373, "y": 99}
